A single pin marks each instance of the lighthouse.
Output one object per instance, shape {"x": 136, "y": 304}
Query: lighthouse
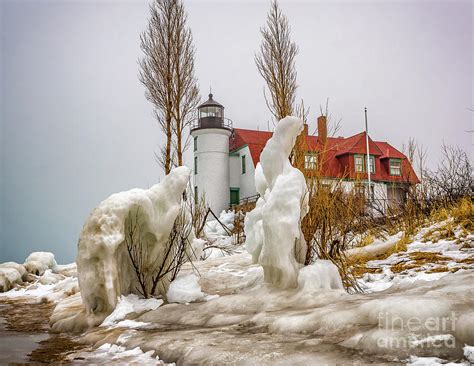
{"x": 210, "y": 133}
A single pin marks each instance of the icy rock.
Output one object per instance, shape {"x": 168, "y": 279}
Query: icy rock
{"x": 185, "y": 289}
{"x": 103, "y": 263}
{"x": 274, "y": 228}
{"x": 38, "y": 262}
{"x": 20, "y": 268}
{"x": 322, "y": 275}
{"x": 9, "y": 277}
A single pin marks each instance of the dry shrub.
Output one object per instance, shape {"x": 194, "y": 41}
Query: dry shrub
{"x": 153, "y": 280}
{"x": 335, "y": 219}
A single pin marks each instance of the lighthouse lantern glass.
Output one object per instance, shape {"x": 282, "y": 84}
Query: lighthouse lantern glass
{"x": 210, "y": 112}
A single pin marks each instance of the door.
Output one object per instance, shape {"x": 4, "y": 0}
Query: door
{"x": 234, "y": 196}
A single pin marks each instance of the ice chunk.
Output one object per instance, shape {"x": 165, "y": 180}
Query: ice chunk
{"x": 322, "y": 275}
{"x": 114, "y": 354}
{"x": 9, "y": 277}
{"x": 20, "y": 268}
{"x": 104, "y": 267}
{"x": 38, "y": 262}
{"x": 185, "y": 289}
{"x": 214, "y": 228}
{"x": 130, "y": 304}
{"x": 49, "y": 278}
{"x": 274, "y": 228}
{"x": 469, "y": 353}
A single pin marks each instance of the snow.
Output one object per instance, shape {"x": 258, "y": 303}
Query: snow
{"x": 37, "y": 292}
{"x": 117, "y": 355}
{"x": 376, "y": 248}
{"x": 430, "y": 361}
{"x": 49, "y": 278}
{"x": 274, "y": 228}
{"x": 322, "y": 275}
{"x": 185, "y": 289}
{"x": 130, "y": 304}
{"x": 469, "y": 353}
{"x": 214, "y": 228}
{"x": 38, "y": 262}
{"x": 103, "y": 263}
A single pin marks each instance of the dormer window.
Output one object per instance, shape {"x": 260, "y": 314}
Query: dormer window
{"x": 396, "y": 167}
{"x": 360, "y": 162}
{"x": 310, "y": 161}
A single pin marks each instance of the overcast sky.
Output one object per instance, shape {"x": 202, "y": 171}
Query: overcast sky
{"x": 75, "y": 126}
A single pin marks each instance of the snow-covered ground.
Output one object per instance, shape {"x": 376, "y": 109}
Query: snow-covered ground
{"x": 418, "y": 308}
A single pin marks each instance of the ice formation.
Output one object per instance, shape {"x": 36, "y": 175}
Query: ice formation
{"x": 130, "y": 304}
{"x": 9, "y": 277}
{"x": 185, "y": 289}
{"x": 38, "y": 262}
{"x": 273, "y": 229}
{"x": 322, "y": 275}
{"x": 103, "y": 263}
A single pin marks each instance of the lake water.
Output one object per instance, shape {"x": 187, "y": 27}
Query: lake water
{"x": 15, "y": 346}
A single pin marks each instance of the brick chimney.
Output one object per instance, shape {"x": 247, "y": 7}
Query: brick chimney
{"x": 305, "y": 129}
{"x": 322, "y": 129}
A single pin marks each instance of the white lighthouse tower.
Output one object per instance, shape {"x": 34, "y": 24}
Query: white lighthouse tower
{"x": 211, "y": 132}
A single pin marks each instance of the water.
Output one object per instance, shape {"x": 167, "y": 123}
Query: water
{"x": 15, "y": 346}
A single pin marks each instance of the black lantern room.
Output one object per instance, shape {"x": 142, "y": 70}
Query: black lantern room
{"x": 211, "y": 115}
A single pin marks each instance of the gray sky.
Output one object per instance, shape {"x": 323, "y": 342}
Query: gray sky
{"x": 75, "y": 126}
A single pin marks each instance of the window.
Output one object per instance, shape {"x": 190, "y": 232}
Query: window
{"x": 372, "y": 164}
{"x": 395, "y": 167}
{"x": 211, "y": 112}
{"x": 196, "y": 196}
{"x": 195, "y": 143}
{"x": 310, "y": 161}
{"x": 360, "y": 162}
{"x": 195, "y": 165}
{"x": 243, "y": 164}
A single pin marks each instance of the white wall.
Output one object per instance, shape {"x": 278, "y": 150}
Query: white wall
{"x": 234, "y": 171}
{"x": 246, "y": 181}
{"x": 212, "y": 176}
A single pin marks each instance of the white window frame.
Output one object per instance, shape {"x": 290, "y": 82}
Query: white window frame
{"x": 396, "y": 168}
{"x": 310, "y": 161}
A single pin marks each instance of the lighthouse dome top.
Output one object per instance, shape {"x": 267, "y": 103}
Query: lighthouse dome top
{"x": 210, "y": 103}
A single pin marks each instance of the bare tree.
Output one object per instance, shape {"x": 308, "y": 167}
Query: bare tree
{"x": 276, "y": 63}
{"x": 167, "y": 72}
{"x": 156, "y": 71}
{"x": 454, "y": 177}
{"x": 185, "y": 89}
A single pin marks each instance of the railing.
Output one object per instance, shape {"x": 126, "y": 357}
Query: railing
{"x": 211, "y": 122}
{"x": 246, "y": 200}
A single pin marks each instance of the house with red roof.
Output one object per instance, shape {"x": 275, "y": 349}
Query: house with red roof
{"x": 225, "y": 159}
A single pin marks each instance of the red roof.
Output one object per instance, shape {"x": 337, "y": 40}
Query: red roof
{"x": 338, "y": 161}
